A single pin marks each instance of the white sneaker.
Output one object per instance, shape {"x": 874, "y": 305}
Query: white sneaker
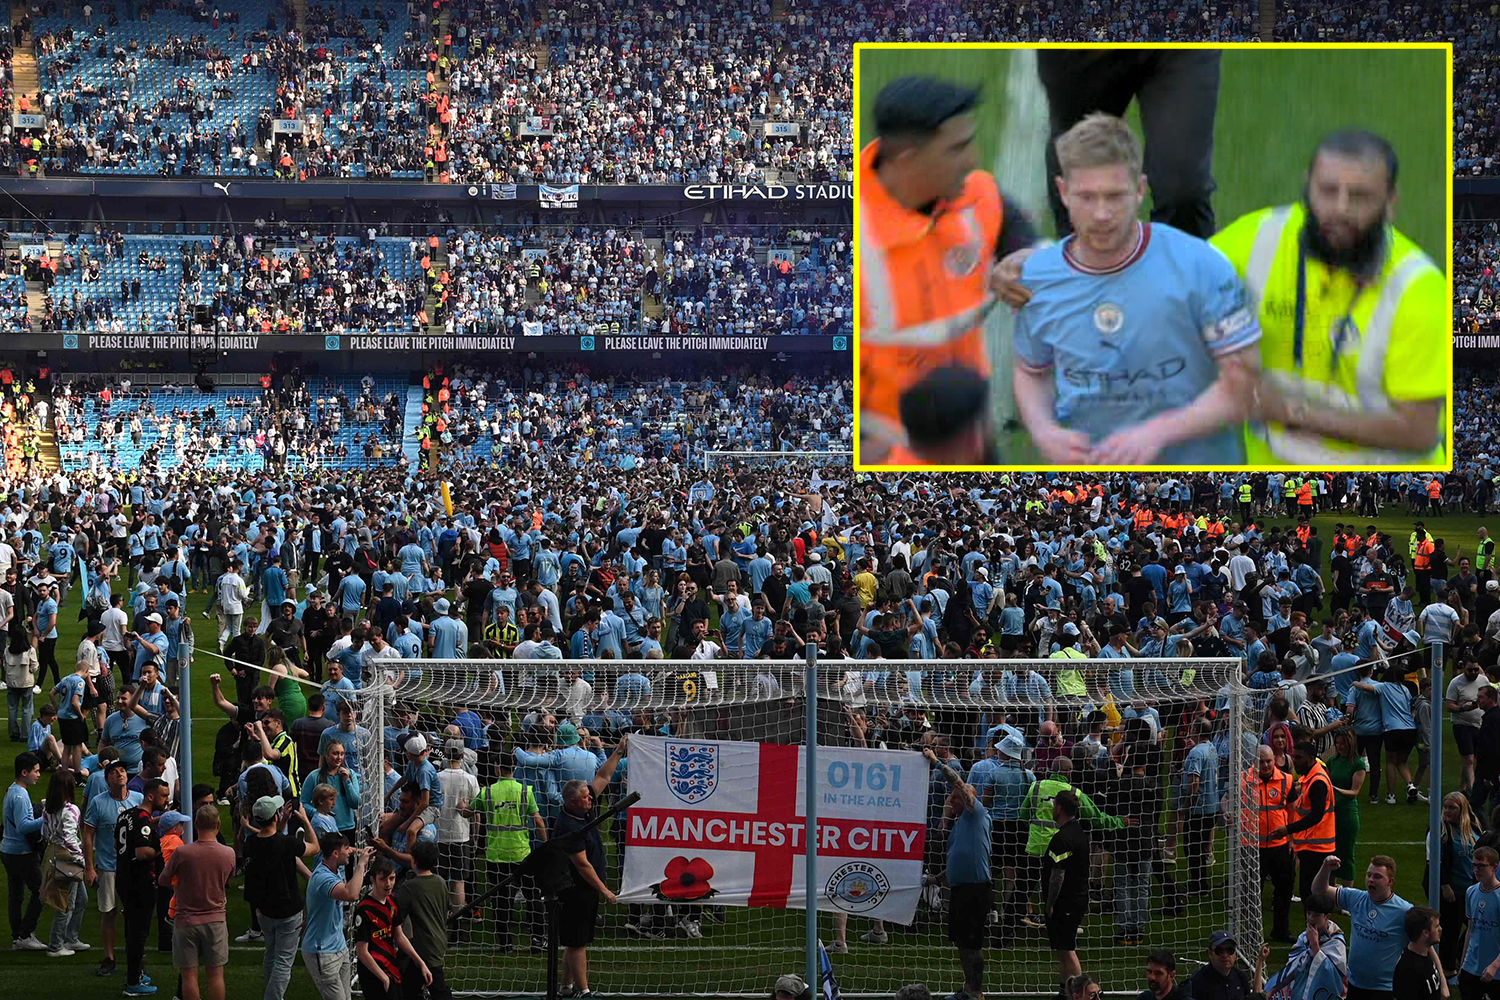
{"x": 875, "y": 937}
{"x": 250, "y": 936}
{"x": 37, "y": 689}
{"x": 60, "y": 953}
{"x": 28, "y": 943}
{"x": 77, "y": 946}
{"x": 837, "y": 948}
{"x": 1390, "y": 799}
{"x": 693, "y": 929}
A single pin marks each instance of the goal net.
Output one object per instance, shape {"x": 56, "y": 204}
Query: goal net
{"x": 1160, "y": 761}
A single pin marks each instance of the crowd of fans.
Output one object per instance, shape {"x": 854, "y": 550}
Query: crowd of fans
{"x": 555, "y": 559}
{"x": 103, "y": 423}
{"x": 513, "y": 281}
{"x": 532, "y": 418}
{"x": 1476, "y": 254}
{"x": 605, "y": 93}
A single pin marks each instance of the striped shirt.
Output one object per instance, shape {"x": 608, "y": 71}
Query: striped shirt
{"x": 375, "y": 924}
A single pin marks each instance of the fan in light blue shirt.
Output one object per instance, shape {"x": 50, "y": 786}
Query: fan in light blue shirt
{"x": 1377, "y": 936}
{"x": 1139, "y": 344}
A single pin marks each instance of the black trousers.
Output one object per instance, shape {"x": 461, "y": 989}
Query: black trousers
{"x": 1308, "y": 863}
{"x": 46, "y": 655}
{"x": 1178, "y": 93}
{"x": 1454, "y": 918}
{"x": 163, "y": 922}
{"x": 1278, "y": 865}
{"x": 139, "y": 903}
{"x": 536, "y": 911}
{"x": 1197, "y": 839}
{"x": 411, "y": 982}
{"x": 23, "y": 872}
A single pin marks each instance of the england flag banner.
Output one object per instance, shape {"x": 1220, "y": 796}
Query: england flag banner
{"x": 722, "y": 823}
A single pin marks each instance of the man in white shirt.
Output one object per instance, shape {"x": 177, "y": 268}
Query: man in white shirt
{"x": 704, "y": 648}
{"x": 578, "y": 694}
{"x": 115, "y": 622}
{"x": 233, "y": 593}
{"x": 1240, "y": 566}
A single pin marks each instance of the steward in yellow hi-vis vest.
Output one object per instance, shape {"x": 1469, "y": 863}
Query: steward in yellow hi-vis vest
{"x": 930, "y": 229}
{"x": 1355, "y": 318}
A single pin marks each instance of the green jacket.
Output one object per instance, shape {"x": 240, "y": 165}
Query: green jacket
{"x": 1036, "y": 809}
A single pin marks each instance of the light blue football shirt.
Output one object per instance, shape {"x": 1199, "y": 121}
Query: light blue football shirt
{"x": 1137, "y": 341}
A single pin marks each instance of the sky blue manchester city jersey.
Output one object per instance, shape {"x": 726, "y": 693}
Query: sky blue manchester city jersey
{"x": 1136, "y": 341}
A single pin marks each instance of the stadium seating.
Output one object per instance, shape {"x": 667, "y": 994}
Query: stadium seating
{"x": 186, "y": 77}
{"x": 175, "y": 398}
{"x": 626, "y": 91}
{"x": 361, "y": 262}
{"x": 360, "y": 101}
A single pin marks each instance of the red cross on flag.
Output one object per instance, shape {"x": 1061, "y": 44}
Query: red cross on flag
{"x": 723, "y": 823}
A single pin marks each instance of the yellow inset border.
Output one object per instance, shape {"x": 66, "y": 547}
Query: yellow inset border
{"x": 1445, "y": 47}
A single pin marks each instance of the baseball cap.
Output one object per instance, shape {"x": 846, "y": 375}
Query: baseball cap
{"x": 154, "y": 617}
{"x": 441, "y": 605}
{"x": 454, "y": 749}
{"x": 170, "y": 820}
{"x": 1492, "y": 585}
{"x": 567, "y": 734}
{"x": 981, "y": 571}
{"x": 288, "y": 601}
{"x": 1070, "y": 629}
{"x": 791, "y": 985}
{"x": 812, "y": 557}
{"x": 265, "y": 807}
{"x": 416, "y": 744}
{"x": 1219, "y": 939}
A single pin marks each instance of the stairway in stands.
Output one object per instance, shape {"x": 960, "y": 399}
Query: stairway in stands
{"x": 411, "y": 447}
{"x": 24, "y": 77}
{"x": 48, "y": 456}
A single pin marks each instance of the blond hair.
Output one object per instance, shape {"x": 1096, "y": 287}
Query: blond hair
{"x": 1099, "y": 140}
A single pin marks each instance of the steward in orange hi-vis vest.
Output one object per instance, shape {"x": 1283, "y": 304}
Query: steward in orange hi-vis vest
{"x": 930, "y": 228}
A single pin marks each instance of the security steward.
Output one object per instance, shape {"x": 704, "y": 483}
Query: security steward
{"x": 1270, "y": 788}
{"x": 929, "y": 226}
{"x": 1355, "y": 318}
{"x": 1311, "y": 813}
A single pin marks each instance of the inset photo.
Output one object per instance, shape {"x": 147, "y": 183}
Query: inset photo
{"x": 1207, "y": 257}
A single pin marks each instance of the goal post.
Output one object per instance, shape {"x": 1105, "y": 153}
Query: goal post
{"x": 1189, "y": 873}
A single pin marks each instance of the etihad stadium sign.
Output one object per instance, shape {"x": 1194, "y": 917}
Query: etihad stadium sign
{"x": 825, "y": 191}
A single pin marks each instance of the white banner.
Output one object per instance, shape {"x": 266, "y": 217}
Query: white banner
{"x": 723, "y": 823}
{"x": 537, "y": 125}
{"x": 565, "y": 196}
{"x": 532, "y": 328}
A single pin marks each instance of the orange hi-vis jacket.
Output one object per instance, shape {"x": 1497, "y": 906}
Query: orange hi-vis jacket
{"x": 1270, "y": 796}
{"x": 1425, "y": 549}
{"x": 924, "y": 294}
{"x": 1320, "y": 836}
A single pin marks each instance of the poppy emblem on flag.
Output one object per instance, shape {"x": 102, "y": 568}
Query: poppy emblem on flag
{"x": 692, "y": 770}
